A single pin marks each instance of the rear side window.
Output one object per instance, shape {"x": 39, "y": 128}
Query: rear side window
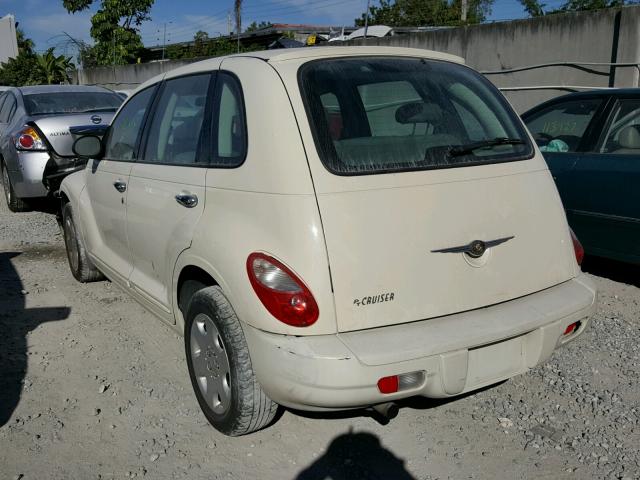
{"x": 563, "y": 122}
{"x": 382, "y": 114}
{"x": 8, "y": 107}
{"x": 229, "y": 124}
{"x": 174, "y": 135}
{"x": 124, "y": 132}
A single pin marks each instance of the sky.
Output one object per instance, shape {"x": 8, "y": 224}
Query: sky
{"x": 47, "y": 22}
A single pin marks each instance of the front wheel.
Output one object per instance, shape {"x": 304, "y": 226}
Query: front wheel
{"x": 220, "y": 367}
{"x": 81, "y": 266}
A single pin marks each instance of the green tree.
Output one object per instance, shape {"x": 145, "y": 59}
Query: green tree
{"x": 422, "y": 13}
{"x": 23, "y": 69}
{"x": 25, "y": 45}
{"x": 114, "y": 28}
{"x": 19, "y": 71}
{"x": 53, "y": 69}
{"x": 253, "y": 26}
{"x": 536, "y": 9}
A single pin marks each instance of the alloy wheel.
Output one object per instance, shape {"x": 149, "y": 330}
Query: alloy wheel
{"x": 210, "y": 364}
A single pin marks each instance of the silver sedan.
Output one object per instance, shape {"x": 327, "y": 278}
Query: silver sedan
{"x": 38, "y": 125}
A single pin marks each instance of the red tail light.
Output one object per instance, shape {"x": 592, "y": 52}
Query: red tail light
{"x": 577, "y": 247}
{"x": 29, "y": 139}
{"x": 282, "y": 293}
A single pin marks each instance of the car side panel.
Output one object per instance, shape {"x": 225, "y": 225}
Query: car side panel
{"x": 602, "y": 200}
{"x": 158, "y": 227}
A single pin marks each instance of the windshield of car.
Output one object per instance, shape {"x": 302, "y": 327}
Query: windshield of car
{"x": 71, "y": 102}
{"x": 382, "y": 114}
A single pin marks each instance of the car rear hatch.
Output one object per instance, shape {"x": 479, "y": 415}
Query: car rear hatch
{"x": 414, "y": 229}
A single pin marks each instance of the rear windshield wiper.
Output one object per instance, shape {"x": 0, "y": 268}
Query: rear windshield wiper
{"x": 470, "y": 147}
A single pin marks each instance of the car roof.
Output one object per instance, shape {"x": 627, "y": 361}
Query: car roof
{"x": 596, "y": 92}
{"x": 305, "y": 54}
{"x": 35, "y": 89}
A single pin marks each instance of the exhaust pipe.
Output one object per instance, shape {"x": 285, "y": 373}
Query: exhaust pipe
{"x": 384, "y": 412}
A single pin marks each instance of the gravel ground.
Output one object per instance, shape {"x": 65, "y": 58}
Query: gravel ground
{"x": 93, "y": 387}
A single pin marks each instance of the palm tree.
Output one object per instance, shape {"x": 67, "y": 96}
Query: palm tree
{"x": 52, "y": 68}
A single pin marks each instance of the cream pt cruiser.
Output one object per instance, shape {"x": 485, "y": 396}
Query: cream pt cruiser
{"x": 330, "y": 228}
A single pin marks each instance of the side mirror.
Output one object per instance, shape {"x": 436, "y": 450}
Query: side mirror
{"x": 88, "y": 146}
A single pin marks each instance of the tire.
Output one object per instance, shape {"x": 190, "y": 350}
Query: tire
{"x": 226, "y": 386}
{"x": 79, "y": 263}
{"x": 14, "y": 203}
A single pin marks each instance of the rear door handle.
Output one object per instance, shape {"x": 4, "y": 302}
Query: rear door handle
{"x": 187, "y": 200}
{"x": 120, "y": 186}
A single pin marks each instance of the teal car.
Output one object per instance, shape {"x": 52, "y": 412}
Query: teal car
{"x": 591, "y": 142}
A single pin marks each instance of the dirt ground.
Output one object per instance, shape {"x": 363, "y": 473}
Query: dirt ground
{"x": 92, "y": 386}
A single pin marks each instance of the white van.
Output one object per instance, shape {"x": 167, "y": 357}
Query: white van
{"x": 330, "y": 228}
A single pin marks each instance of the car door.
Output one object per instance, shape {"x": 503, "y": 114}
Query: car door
{"x": 561, "y": 129}
{"x": 107, "y": 190}
{"x": 167, "y": 187}
{"x": 603, "y": 203}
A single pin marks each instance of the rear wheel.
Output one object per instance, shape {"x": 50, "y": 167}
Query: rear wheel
{"x": 79, "y": 263}
{"x": 220, "y": 367}
{"x": 14, "y": 203}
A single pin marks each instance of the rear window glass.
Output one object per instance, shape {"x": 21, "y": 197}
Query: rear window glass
{"x": 71, "y": 102}
{"x": 381, "y": 114}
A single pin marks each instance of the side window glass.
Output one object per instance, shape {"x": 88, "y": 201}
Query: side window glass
{"x": 560, "y": 127}
{"x": 2, "y": 99}
{"x": 623, "y": 134}
{"x": 230, "y": 135}
{"x": 124, "y": 131}
{"x": 7, "y": 107}
{"x": 175, "y": 131}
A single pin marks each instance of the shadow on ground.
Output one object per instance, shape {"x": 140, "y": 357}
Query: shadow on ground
{"x": 356, "y": 456}
{"x": 613, "y": 270}
{"x": 16, "y": 321}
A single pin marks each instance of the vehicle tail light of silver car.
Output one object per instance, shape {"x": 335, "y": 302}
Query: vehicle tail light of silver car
{"x": 578, "y": 248}
{"x": 282, "y": 293}
{"x": 398, "y": 383}
{"x": 29, "y": 139}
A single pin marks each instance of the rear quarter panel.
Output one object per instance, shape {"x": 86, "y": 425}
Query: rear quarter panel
{"x": 267, "y": 204}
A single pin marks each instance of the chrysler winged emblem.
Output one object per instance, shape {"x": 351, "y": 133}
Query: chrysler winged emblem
{"x": 476, "y": 248}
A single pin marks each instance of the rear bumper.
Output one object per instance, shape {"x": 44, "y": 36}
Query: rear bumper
{"x": 456, "y": 353}
{"x": 27, "y": 179}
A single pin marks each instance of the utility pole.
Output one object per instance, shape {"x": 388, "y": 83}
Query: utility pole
{"x": 238, "y": 9}
{"x": 229, "y": 24}
{"x": 463, "y": 13}
{"x": 164, "y": 39}
{"x": 366, "y": 19}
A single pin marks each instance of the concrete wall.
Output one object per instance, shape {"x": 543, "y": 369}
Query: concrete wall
{"x": 8, "y": 41}
{"x": 125, "y": 77}
{"x": 572, "y": 37}
{"x": 585, "y": 37}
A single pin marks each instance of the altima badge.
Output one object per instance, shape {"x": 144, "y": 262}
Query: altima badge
{"x": 476, "y": 248}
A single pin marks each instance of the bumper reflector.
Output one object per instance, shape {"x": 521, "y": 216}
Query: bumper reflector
{"x": 572, "y": 328}
{"x": 398, "y": 383}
